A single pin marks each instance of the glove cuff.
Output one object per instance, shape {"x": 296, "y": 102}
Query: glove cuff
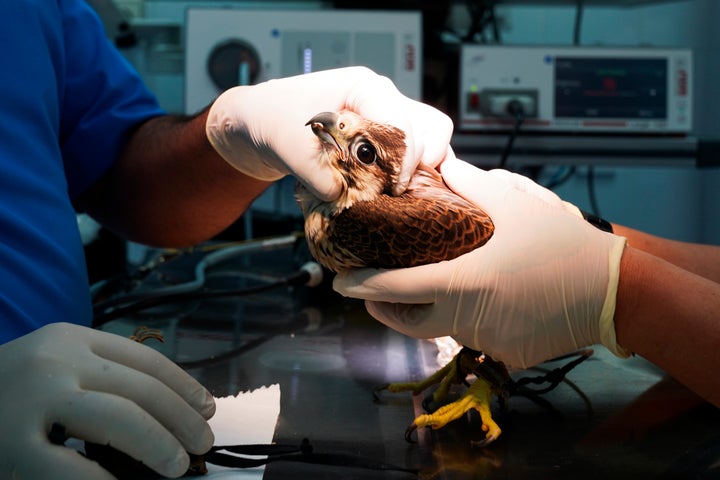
{"x": 607, "y": 324}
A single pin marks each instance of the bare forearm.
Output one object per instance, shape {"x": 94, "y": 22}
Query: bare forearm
{"x": 671, "y": 317}
{"x": 703, "y": 260}
{"x": 170, "y": 187}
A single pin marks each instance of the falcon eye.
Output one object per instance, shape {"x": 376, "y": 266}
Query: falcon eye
{"x": 366, "y": 153}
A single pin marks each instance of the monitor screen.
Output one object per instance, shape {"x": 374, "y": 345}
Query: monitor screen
{"x": 626, "y": 88}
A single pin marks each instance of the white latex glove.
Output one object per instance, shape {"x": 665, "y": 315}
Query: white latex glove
{"x": 544, "y": 284}
{"x": 524, "y": 184}
{"x": 261, "y": 131}
{"x": 103, "y": 388}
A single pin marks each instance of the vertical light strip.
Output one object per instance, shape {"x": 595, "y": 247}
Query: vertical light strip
{"x": 244, "y": 73}
{"x": 307, "y": 60}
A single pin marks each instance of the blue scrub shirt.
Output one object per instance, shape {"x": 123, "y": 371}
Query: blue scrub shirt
{"x": 68, "y": 101}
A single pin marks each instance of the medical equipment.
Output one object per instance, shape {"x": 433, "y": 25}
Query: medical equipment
{"x": 228, "y": 47}
{"x": 576, "y": 89}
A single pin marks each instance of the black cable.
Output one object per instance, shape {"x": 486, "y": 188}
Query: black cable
{"x": 123, "y": 466}
{"x": 492, "y": 18}
{"x": 244, "y": 348}
{"x": 300, "y": 278}
{"x": 289, "y": 453}
{"x": 482, "y": 14}
{"x": 578, "y": 22}
{"x": 553, "y": 378}
{"x": 476, "y": 15}
{"x": 514, "y": 108}
{"x": 591, "y": 191}
{"x": 561, "y": 179}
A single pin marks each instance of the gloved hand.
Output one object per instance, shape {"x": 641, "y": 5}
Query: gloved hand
{"x": 524, "y": 184}
{"x": 103, "y": 388}
{"x": 261, "y": 131}
{"x": 544, "y": 284}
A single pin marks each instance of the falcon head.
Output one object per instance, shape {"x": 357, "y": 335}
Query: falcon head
{"x": 366, "y": 155}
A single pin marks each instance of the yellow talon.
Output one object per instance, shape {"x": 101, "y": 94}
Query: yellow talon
{"x": 492, "y": 378}
{"x": 479, "y": 397}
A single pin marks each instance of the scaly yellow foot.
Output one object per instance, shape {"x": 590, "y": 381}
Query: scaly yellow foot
{"x": 479, "y": 397}
{"x": 491, "y": 378}
{"x": 446, "y": 377}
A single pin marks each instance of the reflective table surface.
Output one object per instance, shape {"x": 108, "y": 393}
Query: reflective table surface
{"x": 611, "y": 418}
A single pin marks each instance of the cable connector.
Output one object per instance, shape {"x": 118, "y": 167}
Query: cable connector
{"x": 515, "y": 108}
{"x": 315, "y": 274}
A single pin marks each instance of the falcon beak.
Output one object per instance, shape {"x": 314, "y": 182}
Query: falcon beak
{"x": 324, "y": 126}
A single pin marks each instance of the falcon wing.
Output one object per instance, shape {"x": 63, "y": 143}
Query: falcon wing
{"x": 427, "y": 224}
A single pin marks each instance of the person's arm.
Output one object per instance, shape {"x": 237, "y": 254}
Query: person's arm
{"x": 547, "y": 283}
{"x": 180, "y": 181}
{"x": 671, "y": 317}
{"x": 703, "y": 260}
{"x": 170, "y": 187}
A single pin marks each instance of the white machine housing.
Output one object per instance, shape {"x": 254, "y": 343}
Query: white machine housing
{"x": 258, "y": 45}
{"x": 576, "y": 89}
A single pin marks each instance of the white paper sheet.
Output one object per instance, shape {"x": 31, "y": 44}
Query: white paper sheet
{"x": 248, "y": 418}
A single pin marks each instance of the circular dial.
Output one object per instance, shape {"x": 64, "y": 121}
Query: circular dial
{"x": 233, "y": 62}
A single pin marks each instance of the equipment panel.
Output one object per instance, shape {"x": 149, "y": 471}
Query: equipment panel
{"x": 576, "y": 89}
{"x": 227, "y": 47}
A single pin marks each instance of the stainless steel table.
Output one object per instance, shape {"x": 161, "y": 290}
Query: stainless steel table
{"x": 612, "y": 419}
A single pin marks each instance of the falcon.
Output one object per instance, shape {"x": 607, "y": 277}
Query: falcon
{"x": 367, "y": 226}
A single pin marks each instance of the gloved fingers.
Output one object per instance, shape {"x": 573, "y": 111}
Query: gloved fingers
{"x": 322, "y": 182}
{"x": 57, "y": 462}
{"x": 416, "y": 321}
{"x": 144, "y": 359}
{"x": 108, "y": 419}
{"x": 572, "y": 208}
{"x": 524, "y": 184}
{"x": 152, "y": 396}
{"x": 475, "y": 185}
{"x": 406, "y": 285}
{"x": 449, "y": 156}
{"x": 430, "y": 135}
{"x": 369, "y": 95}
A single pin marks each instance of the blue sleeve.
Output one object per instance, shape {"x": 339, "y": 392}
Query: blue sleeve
{"x": 103, "y": 98}
{"x": 68, "y": 101}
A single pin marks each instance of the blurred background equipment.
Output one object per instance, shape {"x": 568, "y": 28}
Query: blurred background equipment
{"x": 576, "y": 89}
{"x": 225, "y": 48}
{"x": 640, "y": 172}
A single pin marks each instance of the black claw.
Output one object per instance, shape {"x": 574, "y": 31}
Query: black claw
{"x": 377, "y": 390}
{"x": 428, "y": 402}
{"x": 482, "y": 443}
{"x": 408, "y": 433}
